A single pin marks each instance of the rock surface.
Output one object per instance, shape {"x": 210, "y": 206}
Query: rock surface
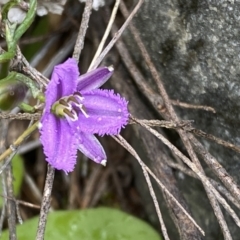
{"x": 195, "y": 45}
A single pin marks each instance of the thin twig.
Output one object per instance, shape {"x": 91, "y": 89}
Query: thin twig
{"x": 19, "y": 218}
{"x": 216, "y": 184}
{"x": 215, "y": 139}
{"x": 11, "y": 210}
{"x": 192, "y": 106}
{"x": 20, "y": 116}
{"x": 128, "y": 147}
{"x": 11, "y": 207}
{"x": 107, "y": 31}
{"x": 27, "y": 204}
{"x": 3, "y": 212}
{"x": 117, "y": 35}
{"x": 32, "y": 72}
{"x": 82, "y": 30}
{"x": 162, "y": 123}
{"x": 45, "y": 203}
{"x": 217, "y": 168}
{"x": 19, "y": 141}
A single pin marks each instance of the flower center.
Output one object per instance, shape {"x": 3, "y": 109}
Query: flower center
{"x": 68, "y": 107}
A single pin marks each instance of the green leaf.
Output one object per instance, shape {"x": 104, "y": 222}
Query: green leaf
{"x": 89, "y": 224}
{"x": 18, "y": 173}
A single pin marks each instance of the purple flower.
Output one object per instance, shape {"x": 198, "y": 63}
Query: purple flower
{"x": 75, "y": 110}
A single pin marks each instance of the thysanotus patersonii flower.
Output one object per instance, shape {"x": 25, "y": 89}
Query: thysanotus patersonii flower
{"x": 75, "y": 110}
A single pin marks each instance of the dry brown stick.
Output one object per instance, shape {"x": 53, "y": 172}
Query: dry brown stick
{"x": 225, "y": 192}
{"x": 20, "y": 116}
{"x": 30, "y": 205}
{"x": 162, "y": 123}
{"x": 192, "y": 106}
{"x": 11, "y": 208}
{"x": 30, "y": 71}
{"x": 215, "y": 139}
{"x": 174, "y": 117}
{"x": 128, "y": 147}
{"x": 82, "y": 30}
{"x": 217, "y": 168}
{"x": 46, "y": 201}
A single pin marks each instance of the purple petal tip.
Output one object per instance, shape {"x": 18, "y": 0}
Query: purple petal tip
{"x": 108, "y": 112}
{"x": 94, "y": 79}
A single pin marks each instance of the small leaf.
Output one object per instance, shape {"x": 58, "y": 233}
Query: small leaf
{"x": 90, "y": 224}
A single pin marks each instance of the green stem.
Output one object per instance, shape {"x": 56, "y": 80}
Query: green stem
{"x": 27, "y": 108}
{"x": 20, "y": 139}
{"x": 27, "y": 21}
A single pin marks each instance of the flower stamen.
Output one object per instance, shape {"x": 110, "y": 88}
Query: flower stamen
{"x": 83, "y": 110}
{"x": 70, "y": 114}
{"x": 79, "y": 96}
{"x": 64, "y": 103}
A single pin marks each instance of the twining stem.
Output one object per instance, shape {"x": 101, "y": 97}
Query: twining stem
{"x": 12, "y": 32}
{"x": 45, "y": 203}
{"x": 18, "y": 142}
{"x": 82, "y": 30}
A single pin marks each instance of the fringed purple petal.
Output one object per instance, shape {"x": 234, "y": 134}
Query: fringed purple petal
{"x": 91, "y": 147}
{"x": 63, "y": 82}
{"x": 94, "y": 79}
{"x": 59, "y": 144}
{"x": 107, "y": 112}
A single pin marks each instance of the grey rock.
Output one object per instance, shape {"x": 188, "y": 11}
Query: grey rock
{"x": 195, "y": 45}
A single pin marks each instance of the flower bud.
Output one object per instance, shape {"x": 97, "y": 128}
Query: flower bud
{"x": 12, "y": 93}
